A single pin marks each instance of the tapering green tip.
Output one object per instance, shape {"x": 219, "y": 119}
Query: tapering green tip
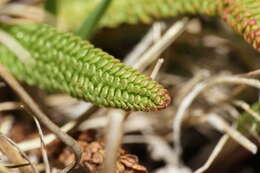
{"x": 65, "y": 63}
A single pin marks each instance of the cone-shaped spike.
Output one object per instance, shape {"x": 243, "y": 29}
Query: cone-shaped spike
{"x": 65, "y": 63}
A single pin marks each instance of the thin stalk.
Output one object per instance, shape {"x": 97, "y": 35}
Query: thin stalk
{"x": 87, "y": 29}
{"x": 51, "y": 6}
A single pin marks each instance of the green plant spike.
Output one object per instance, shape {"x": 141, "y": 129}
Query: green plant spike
{"x": 242, "y": 15}
{"x": 65, "y": 63}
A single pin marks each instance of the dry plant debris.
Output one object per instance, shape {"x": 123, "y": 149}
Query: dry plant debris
{"x": 93, "y": 157}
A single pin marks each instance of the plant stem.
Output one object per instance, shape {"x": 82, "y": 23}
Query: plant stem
{"x": 51, "y": 6}
{"x": 89, "y": 25}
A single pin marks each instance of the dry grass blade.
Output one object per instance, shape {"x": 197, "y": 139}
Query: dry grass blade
{"x": 94, "y": 123}
{"x": 6, "y": 125}
{"x": 7, "y": 106}
{"x": 60, "y": 99}
{"x": 247, "y": 108}
{"x": 221, "y": 125}
{"x": 3, "y": 2}
{"x": 157, "y": 67}
{"x": 187, "y": 101}
{"x": 15, "y": 47}
{"x": 36, "y": 143}
{"x": 214, "y": 154}
{"x": 114, "y": 136}
{"x": 34, "y": 108}
{"x": 3, "y": 169}
{"x": 160, "y": 149}
{"x": 24, "y": 11}
{"x": 15, "y": 155}
{"x": 144, "y": 44}
{"x": 153, "y": 53}
{"x": 240, "y": 89}
{"x": 11, "y": 166}
{"x": 43, "y": 147}
{"x": 198, "y": 77}
{"x": 254, "y": 73}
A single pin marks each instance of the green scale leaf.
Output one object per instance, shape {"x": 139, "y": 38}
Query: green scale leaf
{"x": 242, "y": 15}
{"x": 65, "y": 63}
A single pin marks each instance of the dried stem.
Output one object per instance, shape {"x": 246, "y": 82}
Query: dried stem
{"x": 15, "y": 155}
{"x": 251, "y": 74}
{"x": 144, "y": 44}
{"x": 187, "y": 101}
{"x": 221, "y": 125}
{"x": 247, "y": 108}
{"x": 7, "y": 106}
{"x": 6, "y": 124}
{"x": 15, "y": 47}
{"x": 29, "y": 12}
{"x": 3, "y": 2}
{"x": 36, "y": 143}
{"x": 156, "y": 69}
{"x": 214, "y": 154}
{"x": 34, "y": 108}
{"x": 114, "y": 134}
{"x": 3, "y": 169}
{"x": 153, "y": 53}
{"x": 43, "y": 147}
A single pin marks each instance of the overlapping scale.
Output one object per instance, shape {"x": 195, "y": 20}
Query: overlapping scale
{"x": 242, "y": 15}
{"x": 66, "y": 63}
